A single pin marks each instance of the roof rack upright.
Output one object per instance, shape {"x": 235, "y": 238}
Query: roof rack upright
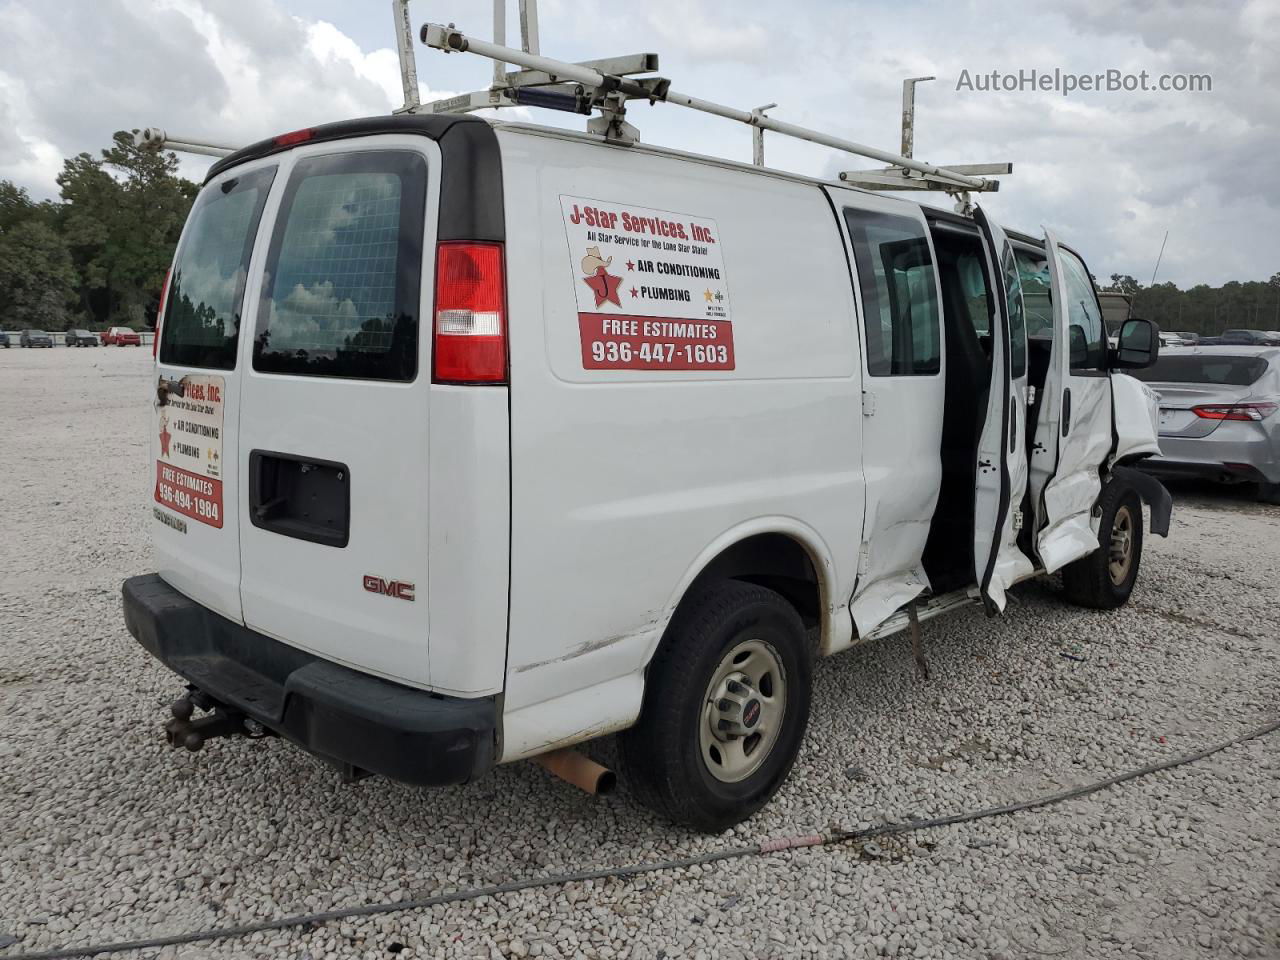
{"x": 607, "y": 85}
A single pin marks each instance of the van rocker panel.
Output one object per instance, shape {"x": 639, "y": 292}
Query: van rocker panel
{"x": 331, "y": 711}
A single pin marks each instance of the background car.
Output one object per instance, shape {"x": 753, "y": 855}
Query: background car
{"x": 121, "y": 337}
{"x": 1258, "y": 338}
{"x": 81, "y": 338}
{"x": 1219, "y": 415}
{"x": 4, "y": 340}
{"x": 35, "y": 338}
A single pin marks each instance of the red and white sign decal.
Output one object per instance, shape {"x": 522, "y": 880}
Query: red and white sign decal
{"x": 650, "y": 288}
{"x": 189, "y": 465}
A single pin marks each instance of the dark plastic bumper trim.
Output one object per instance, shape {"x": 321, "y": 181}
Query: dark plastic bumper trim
{"x": 349, "y": 718}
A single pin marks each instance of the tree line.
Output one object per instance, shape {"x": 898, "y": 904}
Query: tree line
{"x": 97, "y": 256}
{"x": 1251, "y": 305}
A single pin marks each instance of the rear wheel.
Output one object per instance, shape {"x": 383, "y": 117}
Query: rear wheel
{"x": 1269, "y": 492}
{"x": 1104, "y": 579}
{"x": 725, "y": 708}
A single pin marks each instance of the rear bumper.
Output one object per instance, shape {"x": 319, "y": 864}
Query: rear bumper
{"x": 349, "y": 718}
{"x": 1218, "y": 458}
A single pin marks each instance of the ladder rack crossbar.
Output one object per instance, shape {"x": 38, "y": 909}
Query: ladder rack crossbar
{"x": 449, "y": 39}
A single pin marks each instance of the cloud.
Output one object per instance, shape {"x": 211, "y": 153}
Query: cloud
{"x": 220, "y": 70}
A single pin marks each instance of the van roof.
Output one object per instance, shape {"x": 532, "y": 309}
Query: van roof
{"x": 437, "y": 126}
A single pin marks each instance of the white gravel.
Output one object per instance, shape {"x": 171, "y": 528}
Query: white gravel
{"x": 106, "y": 834}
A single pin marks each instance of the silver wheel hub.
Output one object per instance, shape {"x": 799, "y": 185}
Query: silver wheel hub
{"x": 1120, "y": 554}
{"x": 743, "y": 710}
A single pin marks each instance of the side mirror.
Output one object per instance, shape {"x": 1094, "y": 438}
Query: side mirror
{"x": 1079, "y": 346}
{"x": 1138, "y": 346}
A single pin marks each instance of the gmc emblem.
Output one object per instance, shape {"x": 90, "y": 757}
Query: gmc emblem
{"x": 388, "y": 588}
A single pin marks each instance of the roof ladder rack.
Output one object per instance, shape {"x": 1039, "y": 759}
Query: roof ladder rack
{"x": 607, "y": 85}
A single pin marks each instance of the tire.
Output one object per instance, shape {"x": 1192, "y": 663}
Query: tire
{"x": 1269, "y": 492}
{"x": 1104, "y": 579}
{"x": 721, "y": 633}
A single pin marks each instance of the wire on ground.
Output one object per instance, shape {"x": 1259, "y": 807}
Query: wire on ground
{"x": 608, "y": 873}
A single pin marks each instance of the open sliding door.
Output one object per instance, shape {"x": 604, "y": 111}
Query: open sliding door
{"x": 1001, "y": 469}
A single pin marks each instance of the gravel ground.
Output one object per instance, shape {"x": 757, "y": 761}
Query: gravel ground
{"x": 106, "y": 834}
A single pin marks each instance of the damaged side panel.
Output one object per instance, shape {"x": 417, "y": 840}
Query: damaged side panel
{"x": 1137, "y": 419}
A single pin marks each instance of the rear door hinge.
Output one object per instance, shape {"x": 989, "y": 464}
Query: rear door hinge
{"x": 864, "y": 561}
{"x": 868, "y": 403}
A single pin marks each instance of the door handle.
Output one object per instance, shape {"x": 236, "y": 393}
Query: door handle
{"x": 1066, "y": 411}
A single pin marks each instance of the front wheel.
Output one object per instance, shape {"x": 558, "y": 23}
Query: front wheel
{"x": 1269, "y": 492}
{"x": 725, "y": 707}
{"x": 1104, "y": 579}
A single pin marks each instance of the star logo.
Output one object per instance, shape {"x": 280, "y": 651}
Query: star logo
{"x": 605, "y": 287}
{"x": 630, "y": 265}
{"x": 708, "y": 294}
{"x": 635, "y": 292}
{"x": 602, "y": 283}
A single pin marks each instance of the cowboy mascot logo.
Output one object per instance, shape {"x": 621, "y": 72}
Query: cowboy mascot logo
{"x": 602, "y": 283}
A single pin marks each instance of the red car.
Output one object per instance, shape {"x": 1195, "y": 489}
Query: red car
{"x": 121, "y": 337}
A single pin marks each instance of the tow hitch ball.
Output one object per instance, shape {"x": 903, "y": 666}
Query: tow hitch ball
{"x": 219, "y": 720}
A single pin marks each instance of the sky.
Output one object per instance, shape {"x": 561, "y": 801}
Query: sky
{"x": 1109, "y": 171}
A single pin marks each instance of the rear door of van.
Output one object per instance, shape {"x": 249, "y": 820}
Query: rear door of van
{"x": 336, "y": 387}
{"x": 194, "y": 437}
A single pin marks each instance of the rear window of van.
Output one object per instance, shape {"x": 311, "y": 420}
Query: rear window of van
{"x": 1224, "y": 371}
{"x": 206, "y": 291}
{"x": 342, "y": 284}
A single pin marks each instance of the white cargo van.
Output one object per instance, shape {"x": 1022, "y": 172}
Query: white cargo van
{"x": 474, "y": 441}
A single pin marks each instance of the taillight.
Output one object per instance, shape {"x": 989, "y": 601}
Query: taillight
{"x": 164, "y": 292}
{"x": 1236, "y": 411}
{"x": 470, "y": 324}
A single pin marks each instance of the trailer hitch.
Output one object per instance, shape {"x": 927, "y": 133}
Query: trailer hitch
{"x": 219, "y": 720}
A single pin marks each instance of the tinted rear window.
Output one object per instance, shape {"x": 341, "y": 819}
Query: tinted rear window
{"x": 1225, "y": 371}
{"x": 344, "y": 271}
{"x": 206, "y": 292}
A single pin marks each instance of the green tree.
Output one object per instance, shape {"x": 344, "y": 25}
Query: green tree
{"x": 37, "y": 277}
{"x": 123, "y": 215}
{"x": 1123, "y": 283}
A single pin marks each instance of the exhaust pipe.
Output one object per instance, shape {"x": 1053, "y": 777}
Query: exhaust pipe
{"x": 585, "y": 774}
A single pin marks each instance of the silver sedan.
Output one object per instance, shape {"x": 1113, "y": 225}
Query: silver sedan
{"x": 1219, "y": 414}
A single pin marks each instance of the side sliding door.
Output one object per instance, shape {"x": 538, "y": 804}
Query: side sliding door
{"x": 902, "y": 356}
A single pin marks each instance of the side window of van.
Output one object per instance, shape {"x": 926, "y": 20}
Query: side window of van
{"x": 1083, "y": 311}
{"x": 1016, "y": 313}
{"x": 342, "y": 282}
{"x": 206, "y": 290}
{"x": 899, "y": 294}
{"x": 1037, "y": 305}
